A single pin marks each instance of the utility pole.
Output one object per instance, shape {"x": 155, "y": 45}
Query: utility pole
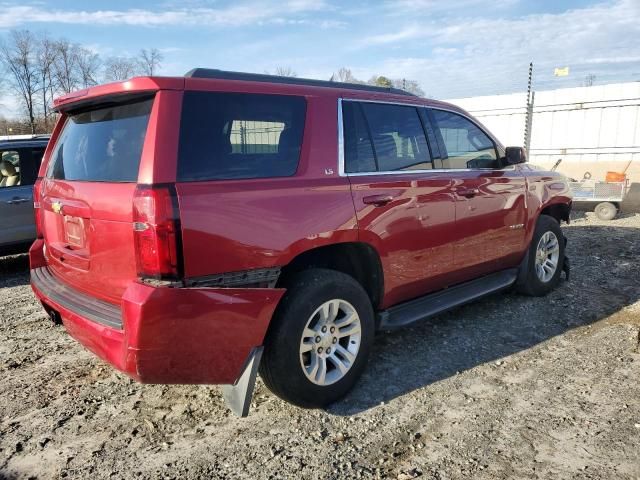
{"x": 529, "y": 112}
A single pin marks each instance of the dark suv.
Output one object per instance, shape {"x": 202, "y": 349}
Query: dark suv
{"x": 20, "y": 157}
{"x": 191, "y": 229}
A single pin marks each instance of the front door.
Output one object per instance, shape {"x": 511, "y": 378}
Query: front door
{"x": 490, "y": 199}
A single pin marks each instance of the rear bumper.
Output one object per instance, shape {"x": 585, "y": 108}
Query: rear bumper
{"x": 166, "y": 335}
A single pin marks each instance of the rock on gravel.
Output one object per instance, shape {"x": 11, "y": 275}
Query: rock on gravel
{"x": 508, "y": 387}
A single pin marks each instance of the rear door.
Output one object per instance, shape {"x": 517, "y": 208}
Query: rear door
{"x": 490, "y": 199}
{"x": 404, "y": 209}
{"x": 87, "y": 194}
{"x": 16, "y": 196}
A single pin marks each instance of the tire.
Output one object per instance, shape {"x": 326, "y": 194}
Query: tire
{"x": 606, "y": 211}
{"x": 286, "y": 370}
{"x": 530, "y": 280}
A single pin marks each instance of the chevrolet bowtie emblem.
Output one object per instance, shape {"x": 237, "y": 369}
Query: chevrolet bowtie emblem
{"x": 56, "y": 207}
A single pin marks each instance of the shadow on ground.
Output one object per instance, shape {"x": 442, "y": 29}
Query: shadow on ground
{"x": 503, "y": 324}
{"x": 14, "y": 270}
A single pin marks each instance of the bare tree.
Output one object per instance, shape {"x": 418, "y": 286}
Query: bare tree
{"x": 344, "y": 75}
{"x": 88, "y": 65}
{"x": 119, "y": 68}
{"x": 45, "y": 59}
{"x": 150, "y": 61}
{"x": 65, "y": 66}
{"x": 19, "y": 60}
{"x": 410, "y": 86}
{"x": 285, "y": 72}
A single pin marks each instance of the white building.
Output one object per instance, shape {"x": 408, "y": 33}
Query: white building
{"x": 592, "y": 129}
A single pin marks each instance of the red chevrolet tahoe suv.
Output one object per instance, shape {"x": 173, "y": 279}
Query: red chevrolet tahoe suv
{"x": 197, "y": 229}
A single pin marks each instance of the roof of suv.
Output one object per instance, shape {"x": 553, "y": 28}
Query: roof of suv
{"x": 23, "y": 140}
{"x": 144, "y": 85}
{"x": 258, "y": 77}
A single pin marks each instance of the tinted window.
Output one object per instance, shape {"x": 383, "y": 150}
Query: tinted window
{"x": 467, "y": 146}
{"x": 359, "y": 156}
{"x": 398, "y": 137}
{"x": 10, "y": 166}
{"x": 233, "y": 135}
{"x": 102, "y": 145}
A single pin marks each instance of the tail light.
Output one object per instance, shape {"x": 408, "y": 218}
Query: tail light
{"x": 156, "y": 230}
{"x": 37, "y": 210}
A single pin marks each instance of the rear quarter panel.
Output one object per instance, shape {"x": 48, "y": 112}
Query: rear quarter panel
{"x": 234, "y": 225}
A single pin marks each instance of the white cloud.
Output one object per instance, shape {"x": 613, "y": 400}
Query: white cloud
{"x": 430, "y": 6}
{"x": 12, "y": 16}
{"x": 467, "y": 55}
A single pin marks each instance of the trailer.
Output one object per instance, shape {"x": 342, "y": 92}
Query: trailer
{"x": 607, "y": 196}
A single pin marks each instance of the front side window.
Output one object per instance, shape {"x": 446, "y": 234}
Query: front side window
{"x": 466, "y": 145}
{"x": 239, "y": 135}
{"x": 10, "y": 169}
{"x": 102, "y": 144}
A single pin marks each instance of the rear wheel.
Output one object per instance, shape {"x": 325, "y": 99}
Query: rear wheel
{"x": 320, "y": 339}
{"x": 606, "y": 211}
{"x": 545, "y": 259}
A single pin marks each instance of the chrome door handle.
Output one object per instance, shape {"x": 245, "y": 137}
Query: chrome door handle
{"x": 468, "y": 192}
{"x": 377, "y": 200}
{"x": 16, "y": 200}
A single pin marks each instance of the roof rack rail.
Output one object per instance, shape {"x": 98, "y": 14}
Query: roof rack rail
{"x": 259, "y": 77}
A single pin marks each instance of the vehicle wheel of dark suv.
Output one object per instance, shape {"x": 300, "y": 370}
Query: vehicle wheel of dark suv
{"x": 545, "y": 260}
{"x": 320, "y": 338}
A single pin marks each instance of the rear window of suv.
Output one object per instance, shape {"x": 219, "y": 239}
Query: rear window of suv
{"x": 102, "y": 144}
{"x": 239, "y": 135}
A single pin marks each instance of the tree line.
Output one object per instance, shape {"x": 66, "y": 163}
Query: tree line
{"x": 36, "y": 68}
{"x": 345, "y": 75}
{"x": 411, "y": 86}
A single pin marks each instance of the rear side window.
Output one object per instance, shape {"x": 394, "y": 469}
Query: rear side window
{"x": 10, "y": 168}
{"x": 392, "y": 133}
{"x": 467, "y": 146}
{"x": 20, "y": 166}
{"x": 102, "y": 145}
{"x": 238, "y": 135}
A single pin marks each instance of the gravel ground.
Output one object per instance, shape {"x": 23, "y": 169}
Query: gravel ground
{"x": 508, "y": 387}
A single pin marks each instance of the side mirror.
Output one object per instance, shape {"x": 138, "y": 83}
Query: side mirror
{"x": 515, "y": 155}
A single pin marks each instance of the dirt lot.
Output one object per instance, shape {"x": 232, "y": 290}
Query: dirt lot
{"x": 509, "y": 387}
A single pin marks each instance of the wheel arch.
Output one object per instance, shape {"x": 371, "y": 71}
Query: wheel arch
{"x": 559, "y": 211}
{"x": 360, "y": 260}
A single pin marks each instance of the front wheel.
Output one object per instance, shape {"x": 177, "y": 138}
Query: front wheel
{"x": 320, "y": 339}
{"x": 543, "y": 265}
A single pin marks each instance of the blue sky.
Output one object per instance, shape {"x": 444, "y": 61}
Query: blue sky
{"x": 452, "y": 48}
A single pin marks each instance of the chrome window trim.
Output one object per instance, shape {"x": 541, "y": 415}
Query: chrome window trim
{"x": 341, "y": 170}
{"x": 341, "y": 157}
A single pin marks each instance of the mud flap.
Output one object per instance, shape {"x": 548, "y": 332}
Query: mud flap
{"x": 566, "y": 264}
{"x": 566, "y": 268}
{"x": 238, "y": 396}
